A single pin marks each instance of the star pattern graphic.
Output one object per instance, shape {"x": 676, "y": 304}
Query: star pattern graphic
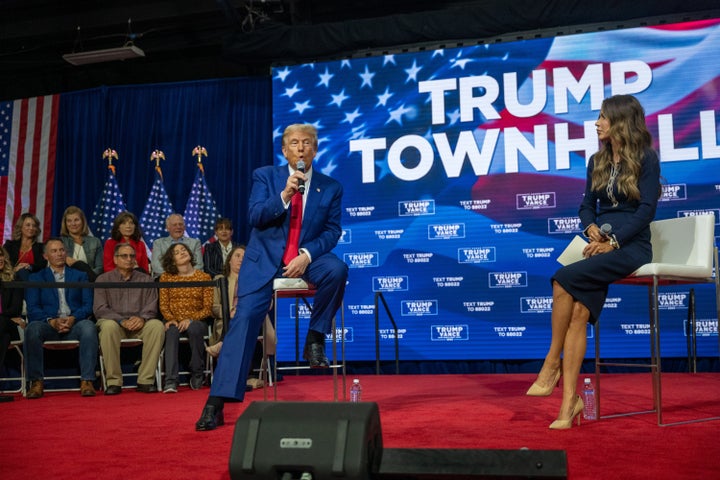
{"x": 374, "y": 97}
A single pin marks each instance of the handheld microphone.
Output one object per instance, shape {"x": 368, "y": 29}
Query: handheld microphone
{"x": 606, "y": 230}
{"x": 301, "y": 183}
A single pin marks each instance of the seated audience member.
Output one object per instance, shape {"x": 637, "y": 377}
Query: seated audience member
{"x": 26, "y": 252}
{"x": 217, "y": 252}
{"x": 231, "y": 268}
{"x": 128, "y": 313}
{"x": 126, "y": 229}
{"x": 185, "y": 310}
{"x": 175, "y": 225}
{"x": 231, "y": 272}
{"x": 59, "y": 314}
{"x": 11, "y": 300}
{"x": 84, "y": 252}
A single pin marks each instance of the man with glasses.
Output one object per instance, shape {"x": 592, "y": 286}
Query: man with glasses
{"x": 128, "y": 313}
{"x": 59, "y": 314}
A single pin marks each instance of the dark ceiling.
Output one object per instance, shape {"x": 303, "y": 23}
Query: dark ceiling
{"x": 195, "y": 39}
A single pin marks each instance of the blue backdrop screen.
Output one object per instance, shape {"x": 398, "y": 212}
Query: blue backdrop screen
{"x": 463, "y": 171}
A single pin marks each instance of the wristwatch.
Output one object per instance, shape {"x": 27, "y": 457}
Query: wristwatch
{"x": 613, "y": 242}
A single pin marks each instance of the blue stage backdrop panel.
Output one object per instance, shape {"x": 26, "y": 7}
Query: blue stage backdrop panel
{"x": 463, "y": 171}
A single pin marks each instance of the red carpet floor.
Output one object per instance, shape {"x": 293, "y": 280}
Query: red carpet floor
{"x": 143, "y": 436}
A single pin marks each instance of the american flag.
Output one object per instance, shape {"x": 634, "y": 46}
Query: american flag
{"x": 157, "y": 209}
{"x": 108, "y": 207}
{"x": 201, "y": 213}
{"x": 28, "y": 135}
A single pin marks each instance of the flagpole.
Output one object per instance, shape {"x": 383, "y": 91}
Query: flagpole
{"x": 200, "y": 211}
{"x": 111, "y": 201}
{"x": 158, "y": 206}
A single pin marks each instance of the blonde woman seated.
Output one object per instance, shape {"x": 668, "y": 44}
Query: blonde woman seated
{"x": 231, "y": 270}
{"x": 26, "y": 251}
{"x": 185, "y": 311}
{"x": 84, "y": 252}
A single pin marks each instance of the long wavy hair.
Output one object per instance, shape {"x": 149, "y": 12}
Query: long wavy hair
{"x": 629, "y": 134}
{"x": 6, "y": 274}
{"x": 226, "y": 265}
{"x": 168, "y": 258}
{"x": 17, "y": 231}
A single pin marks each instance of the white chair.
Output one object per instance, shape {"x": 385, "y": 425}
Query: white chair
{"x": 298, "y": 289}
{"x": 684, "y": 252}
{"x": 129, "y": 343}
{"x": 16, "y": 346}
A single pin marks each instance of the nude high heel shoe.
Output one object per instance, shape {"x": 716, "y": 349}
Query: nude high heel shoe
{"x": 536, "y": 390}
{"x": 565, "y": 424}
{"x": 214, "y": 350}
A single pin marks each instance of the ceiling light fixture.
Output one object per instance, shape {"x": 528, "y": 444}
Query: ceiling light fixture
{"x": 107, "y": 55}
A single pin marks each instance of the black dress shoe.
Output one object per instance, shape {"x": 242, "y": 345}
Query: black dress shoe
{"x": 211, "y": 418}
{"x": 113, "y": 390}
{"x": 146, "y": 388}
{"x": 315, "y": 355}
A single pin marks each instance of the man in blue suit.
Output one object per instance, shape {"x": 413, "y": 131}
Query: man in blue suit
{"x": 266, "y": 258}
{"x": 59, "y": 314}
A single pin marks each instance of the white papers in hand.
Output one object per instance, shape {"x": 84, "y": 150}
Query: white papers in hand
{"x": 573, "y": 252}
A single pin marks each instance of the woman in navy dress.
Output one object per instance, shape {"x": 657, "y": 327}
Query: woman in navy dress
{"x": 622, "y": 191}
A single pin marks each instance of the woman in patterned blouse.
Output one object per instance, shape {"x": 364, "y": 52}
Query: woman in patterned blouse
{"x": 185, "y": 310}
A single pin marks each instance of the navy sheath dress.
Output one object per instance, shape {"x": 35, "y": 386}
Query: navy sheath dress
{"x": 588, "y": 280}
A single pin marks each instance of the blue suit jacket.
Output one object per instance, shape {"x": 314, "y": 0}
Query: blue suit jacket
{"x": 270, "y": 222}
{"x": 43, "y": 303}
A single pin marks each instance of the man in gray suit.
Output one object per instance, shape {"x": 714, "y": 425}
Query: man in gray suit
{"x": 175, "y": 225}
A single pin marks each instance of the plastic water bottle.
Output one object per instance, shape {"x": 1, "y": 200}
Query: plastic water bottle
{"x": 355, "y": 391}
{"x": 588, "y": 396}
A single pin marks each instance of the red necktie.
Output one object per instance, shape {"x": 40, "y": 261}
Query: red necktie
{"x": 292, "y": 246}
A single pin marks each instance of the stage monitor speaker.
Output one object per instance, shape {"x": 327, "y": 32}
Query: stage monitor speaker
{"x": 293, "y": 440}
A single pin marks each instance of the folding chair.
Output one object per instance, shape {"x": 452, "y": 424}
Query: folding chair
{"x": 61, "y": 345}
{"x": 209, "y": 365}
{"x": 16, "y": 346}
{"x": 129, "y": 343}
